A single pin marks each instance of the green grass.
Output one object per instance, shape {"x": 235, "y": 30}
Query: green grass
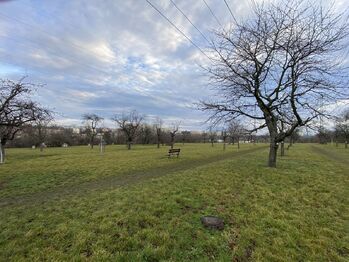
{"x": 297, "y": 212}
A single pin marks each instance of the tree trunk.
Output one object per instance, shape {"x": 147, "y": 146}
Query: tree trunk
{"x": 224, "y": 146}
{"x": 238, "y": 141}
{"x": 172, "y": 142}
{"x": 128, "y": 145}
{"x": 346, "y": 144}
{"x": 158, "y": 142}
{"x": 2, "y": 154}
{"x": 282, "y": 148}
{"x": 2, "y": 151}
{"x": 272, "y": 153}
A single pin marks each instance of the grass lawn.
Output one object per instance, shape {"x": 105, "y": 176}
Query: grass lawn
{"x": 73, "y": 204}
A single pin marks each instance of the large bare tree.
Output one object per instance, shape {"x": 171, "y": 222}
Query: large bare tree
{"x": 92, "y": 121}
{"x": 280, "y": 66}
{"x": 129, "y": 123}
{"x": 17, "y": 110}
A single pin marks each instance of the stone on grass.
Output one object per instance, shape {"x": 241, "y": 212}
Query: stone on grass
{"x": 212, "y": 222}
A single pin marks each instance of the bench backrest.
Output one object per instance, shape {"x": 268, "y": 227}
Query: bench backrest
{"x": 175, "y": 150}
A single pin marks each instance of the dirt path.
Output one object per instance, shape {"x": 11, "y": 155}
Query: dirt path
{"x": 330, "y": 154}
{"x": 111, "y": 182}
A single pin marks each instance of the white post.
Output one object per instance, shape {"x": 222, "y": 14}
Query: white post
{"x": 101, "y": 145}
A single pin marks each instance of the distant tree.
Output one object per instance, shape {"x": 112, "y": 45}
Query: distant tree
{"x": 185, "y": 136}
{"x": 146, "y": 134}
{"x": 41, "y": 128}
{"x": 158, "y": 129}
{"x": 236, "y": 130}
{"x": 280, "y": 67}
{"x": 92, "y": 121}
{"x": 224, "y": 135}
{"x": 342, "y": 127}
{"x": 173, "y": 131}
{"x": 109, "y": 136}
{"x": 212, "y": 134}
{"x": 129, "y": 123}
{"x": 17, "y": 110}
{"x": 323, "y": 135}
{"x": 204, "y": 136}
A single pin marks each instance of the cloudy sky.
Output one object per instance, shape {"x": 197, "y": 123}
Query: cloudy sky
{"x": 111, "y": 56}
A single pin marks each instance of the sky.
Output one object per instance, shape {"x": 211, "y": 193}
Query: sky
{"x": 112, "y": 56}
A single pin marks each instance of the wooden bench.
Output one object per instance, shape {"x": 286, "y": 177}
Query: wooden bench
{"x": 173, "y": 151}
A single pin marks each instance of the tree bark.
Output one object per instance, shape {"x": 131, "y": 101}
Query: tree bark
{"x": 158, "y": 141}
{"x": 272, "y": 153}
{"x": 2, "y": 153}
{"x": 172, "y": 141}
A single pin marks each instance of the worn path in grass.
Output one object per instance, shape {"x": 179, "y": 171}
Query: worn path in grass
{"x": 330, "y": 154}
{"x": 111, "y": 182}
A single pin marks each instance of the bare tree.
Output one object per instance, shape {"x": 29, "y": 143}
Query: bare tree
{"x": 41, "y": 128}
{"x": 342, "y": 127}
{"x": 92, "y": 121}
{"x": 158, "y": 129}
{"x": 285, "y": 60}
{"x": 204, "y": 136}
{"x": 129, "y": 123}
{"x": 17, "y": 110}
{"x": 173, "y": 131}
{"x": 145, "y": 134}
{"x": 235, "y": 131}
{"x": 185, "y": 136}
{"x": 212, "y": 134}
{"x": 224, "y": 135}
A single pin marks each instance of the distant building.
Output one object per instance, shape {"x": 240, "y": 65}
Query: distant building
{"x": 76, "y": 130}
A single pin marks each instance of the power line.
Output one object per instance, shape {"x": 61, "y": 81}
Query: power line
{"x": 197, "y": 29}
{"x": 169, "y": 21}
{"x": 212, "y": 13}
{"x": 230, "y": 11}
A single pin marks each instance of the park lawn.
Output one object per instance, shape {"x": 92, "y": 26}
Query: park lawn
{"x": 297, "y": 212}
{"x": 29, "y": 171}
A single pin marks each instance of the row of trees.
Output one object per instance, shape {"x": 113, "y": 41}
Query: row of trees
{"x": 340, "y": 133}
{"x": 57, "y": 136}
{"x": 133, "y": 128}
